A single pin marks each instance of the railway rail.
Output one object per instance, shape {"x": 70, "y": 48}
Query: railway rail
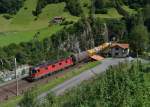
{"x": 8, "y": 90}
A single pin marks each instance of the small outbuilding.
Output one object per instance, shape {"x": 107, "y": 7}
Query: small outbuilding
{"x": 57, "y": 19}
{"x": 119, "y": 50}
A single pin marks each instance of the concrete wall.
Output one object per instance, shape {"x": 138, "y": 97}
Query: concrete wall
{"x": 10, "y": 75}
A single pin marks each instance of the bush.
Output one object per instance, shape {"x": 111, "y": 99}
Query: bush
{"x": 85, "y": 5}
{"x": 66, "y": 22}
{"x": 101, "y": 11}
{"x": 135, "y": 6}
{"x": 74, "y": 7}
{"x": 7, "y": 16}
{"x": 25, "y": 8}
{"x": 10, "y": 6}
{"x": 35, "y": 19}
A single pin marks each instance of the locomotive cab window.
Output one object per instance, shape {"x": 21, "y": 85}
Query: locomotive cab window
{"x": 53, "y": 66}
{"x": 34, "y": 71}
{"x": 60, "y": 63}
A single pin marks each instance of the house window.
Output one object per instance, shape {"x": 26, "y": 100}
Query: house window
{"x": 34, "y": 71}
{"x": 116, "y": 54}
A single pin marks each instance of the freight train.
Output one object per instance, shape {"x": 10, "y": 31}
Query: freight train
{"x": 52, "y": 67}
{"x": 49, "y": 68}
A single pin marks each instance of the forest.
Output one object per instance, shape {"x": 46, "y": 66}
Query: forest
{"x": 10, "y": 6}
{"x": 73, "y": 6}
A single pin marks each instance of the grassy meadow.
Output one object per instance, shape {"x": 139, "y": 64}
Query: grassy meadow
{"x": 23, "y": 26}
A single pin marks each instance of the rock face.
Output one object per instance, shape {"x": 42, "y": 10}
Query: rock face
{"x": 10, "y": 75}
{"x": 83, "y": 39}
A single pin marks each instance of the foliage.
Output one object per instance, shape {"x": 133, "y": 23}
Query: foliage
{"x": 121, "y": 86}
{"x": 74, "y": 7}
{"x": 136, "y": 3}
{"x": 10, "y": 6}
{"x": 40, "y": 89}
{"x": 146, "y": 14}
{"x": 55, "y": 47}
{"x": 101, "y": 11}
{"x": 29, "y": 100}
{"x": 101, "y": 6}
{"x": 6, "y": 16}
{"x": 117, "y": 29}
{"x": 139, "y": 38}
{"x": 100, "y": 3}
{"x": 42, "y": 3}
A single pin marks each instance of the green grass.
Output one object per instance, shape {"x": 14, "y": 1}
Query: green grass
{"x": 24, "y": 36}
{"x": 24, "y": 20}
{"x": 86, "y": 9}
{"x": 40, "y": 89}
{"x": 112, "y": 13}
{"x": 23, "y": 26}
{"x": 147, "y": 76}
{"x": 129, "y": 10}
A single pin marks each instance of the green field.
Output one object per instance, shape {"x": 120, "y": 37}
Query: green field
{"x": 24, "y": 36}
{"x": 24, "y": 20}
{"x": 23, "y": 26}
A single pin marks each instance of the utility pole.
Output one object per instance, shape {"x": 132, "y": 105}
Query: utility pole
{"x": 2, "y": 64}
{"x": 16, "y": 78}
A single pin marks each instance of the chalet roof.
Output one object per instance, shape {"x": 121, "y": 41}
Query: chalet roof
{"x": 121, "y": 45}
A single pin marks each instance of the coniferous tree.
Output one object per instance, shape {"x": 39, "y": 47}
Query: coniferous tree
{"x": 139, "y": 38}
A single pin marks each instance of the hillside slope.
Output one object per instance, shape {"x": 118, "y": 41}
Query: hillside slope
{"x": 25, "y": 25}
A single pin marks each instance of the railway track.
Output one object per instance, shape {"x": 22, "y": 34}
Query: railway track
{"x": 9, "y": 90}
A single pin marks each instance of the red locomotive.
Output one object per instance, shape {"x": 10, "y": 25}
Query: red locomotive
{"x": 52, "y": 67}
{"x": 49, "y": 68}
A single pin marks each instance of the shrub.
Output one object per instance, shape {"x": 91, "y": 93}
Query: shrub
{"x": 7, "y": 16}
{"x": 85, "y": 5}
{"x": 101, "y": 11}
{"x": 25, "y": 8}
{"x": 35, "y": 19}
